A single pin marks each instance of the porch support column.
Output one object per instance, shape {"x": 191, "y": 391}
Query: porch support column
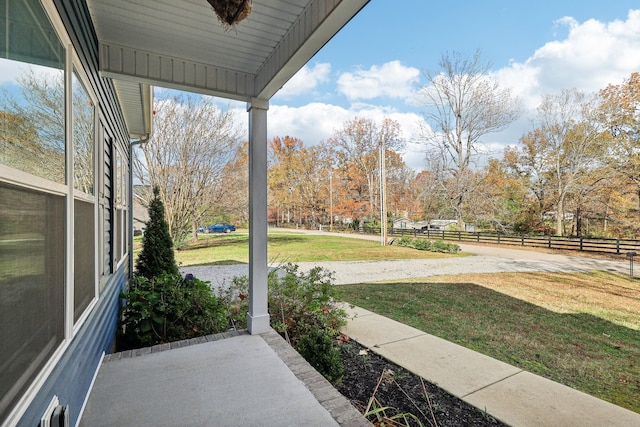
{"x": 258, "y": 315}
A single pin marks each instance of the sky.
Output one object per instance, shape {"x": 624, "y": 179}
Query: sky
{"x": 375, "y": 65}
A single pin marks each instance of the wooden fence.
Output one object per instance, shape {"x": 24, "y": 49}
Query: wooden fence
{"x": 612, "y": 246}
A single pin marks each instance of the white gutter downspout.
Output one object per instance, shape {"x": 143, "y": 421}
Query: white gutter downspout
{"x": 130, "y": 201}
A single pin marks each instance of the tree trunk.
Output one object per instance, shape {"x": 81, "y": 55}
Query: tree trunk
{"x": 560, "y": 217}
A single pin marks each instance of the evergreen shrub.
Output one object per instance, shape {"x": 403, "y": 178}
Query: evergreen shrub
{"x": 156, "y": 256}
{"x": 318, "y": 348}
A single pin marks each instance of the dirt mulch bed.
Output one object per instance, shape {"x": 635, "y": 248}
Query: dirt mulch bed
{"x": 369, "y": 375}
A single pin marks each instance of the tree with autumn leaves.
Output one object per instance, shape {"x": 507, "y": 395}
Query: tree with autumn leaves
{"x": 298, "y": 186}
{"x": 576, "y": 172}
{"x": 579, "y": 168}
{"x": 339, "y": 177}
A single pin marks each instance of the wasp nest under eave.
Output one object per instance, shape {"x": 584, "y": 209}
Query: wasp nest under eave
{"x": 231, "y": 12}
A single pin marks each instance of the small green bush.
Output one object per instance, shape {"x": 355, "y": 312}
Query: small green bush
{"x": 449, "y": 248}
{"x": 405, "y": 241}
{"x": 168, "y": 308}
{"x": 428, "y": 245}
{"x": 317, "y": 347}
{"x": 235, "y": 300}
{"x": 422, "y": 244}
{"x": 298, "y": 302}
{"x": 302, "y": 301}
{"x": 302, "y": 308}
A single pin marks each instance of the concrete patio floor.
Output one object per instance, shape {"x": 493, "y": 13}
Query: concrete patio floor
{"x": 232, "y": 379}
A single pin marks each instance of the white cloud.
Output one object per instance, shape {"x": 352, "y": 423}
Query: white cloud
{"x": 591, "y": 56}
{"x": 392, "y": 80}
{"x": 305, "y": 81}
{"x": 312, "y": 123}
{"x": 316, "y": 122}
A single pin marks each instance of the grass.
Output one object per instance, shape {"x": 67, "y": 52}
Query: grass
{"x": 579, "y": 329}
{"x": 233, "y": 248}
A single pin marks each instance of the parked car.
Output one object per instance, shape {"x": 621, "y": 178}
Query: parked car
{"x": 220, "y": 228}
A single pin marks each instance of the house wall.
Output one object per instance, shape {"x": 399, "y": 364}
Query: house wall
{"x": 72, "y": 376}
{"x": 69, "y": 372}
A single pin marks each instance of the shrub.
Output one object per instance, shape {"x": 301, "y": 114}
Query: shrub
{"x": 428, "y": 245}
{"x": 298, "y": 302}
{"x": 440, "y": 246}
{"x": 235, "y": 300}
{"x": 405, "y": 241}
{"x": 302, "y": 301}
{"x": 168, "y": 308}
{"x": 317, "y": 347}
{"x": 156, "y": 256}
{"x": 302, "y": 309}
{"x": 422, "y": 244}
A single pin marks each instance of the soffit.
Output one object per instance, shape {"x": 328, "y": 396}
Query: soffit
{"x": 181, "y": 44}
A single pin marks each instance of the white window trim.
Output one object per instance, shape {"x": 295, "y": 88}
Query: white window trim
{"x": 76, "y": 68}
{"x": 32, "y": 182}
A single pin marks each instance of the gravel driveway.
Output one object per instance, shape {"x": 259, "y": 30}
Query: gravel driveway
{"x": 484, "y": 259}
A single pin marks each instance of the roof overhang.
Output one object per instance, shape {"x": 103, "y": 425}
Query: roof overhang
{"x": 136, "y": 101}
{"x": 182, "y": 45}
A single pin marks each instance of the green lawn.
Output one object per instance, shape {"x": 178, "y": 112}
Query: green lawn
{"x": 582, "y": 330}
{"x": 294, "y": 247}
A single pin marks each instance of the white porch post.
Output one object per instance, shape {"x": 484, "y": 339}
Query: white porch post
{"x": 258, "y": 315}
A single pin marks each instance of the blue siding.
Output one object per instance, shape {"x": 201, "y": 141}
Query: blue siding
{"x": 72, "y": 376}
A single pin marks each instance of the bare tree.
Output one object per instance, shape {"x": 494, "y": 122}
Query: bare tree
{"x": 235, "y": 201}
{"x": 572, "y": 135}
{"x": 192, "y": 144}
{"x": 35, "y": 137}
{"x": 463, "y": 105}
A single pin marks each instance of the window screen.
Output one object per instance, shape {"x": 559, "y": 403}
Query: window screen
{"x": 84, "y": 257}
{"x": 31, "y": 286}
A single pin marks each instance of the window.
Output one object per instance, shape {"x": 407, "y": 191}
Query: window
{"x": 84, "y": 230}
{"x": 83, "y": 137}
{"x": 121, "y": 183}
{"x": 32, "y": 136}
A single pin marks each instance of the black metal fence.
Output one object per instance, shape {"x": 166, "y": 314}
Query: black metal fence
{"x": 602, "y": 245}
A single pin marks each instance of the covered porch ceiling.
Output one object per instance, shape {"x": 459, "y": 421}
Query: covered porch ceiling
{"x": 180, "y": 44}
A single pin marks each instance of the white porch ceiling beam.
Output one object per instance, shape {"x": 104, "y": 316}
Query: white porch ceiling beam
{"x": 136, "y": 65}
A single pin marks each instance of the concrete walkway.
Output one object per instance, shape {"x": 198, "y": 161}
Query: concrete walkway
{"x": 507, "y": 393}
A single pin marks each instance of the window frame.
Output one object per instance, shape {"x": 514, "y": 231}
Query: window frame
{"x": 75, "y": 68}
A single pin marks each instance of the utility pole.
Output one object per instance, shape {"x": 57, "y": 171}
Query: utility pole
{"x": 383, "y": 196}
{"x": 331, "y": 202}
